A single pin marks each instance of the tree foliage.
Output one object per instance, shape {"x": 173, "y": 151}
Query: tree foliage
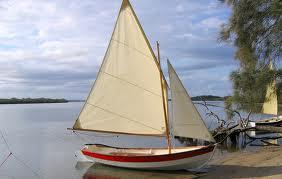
{"x": 249, "y": 87}
{"x": 255, "y": 29}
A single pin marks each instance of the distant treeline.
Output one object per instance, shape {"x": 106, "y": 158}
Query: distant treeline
{"x": 218, "y": 98}
{"x": 31, "y": 100}
{"x": 208, "y": 98}
{"x": 76, "y": 100}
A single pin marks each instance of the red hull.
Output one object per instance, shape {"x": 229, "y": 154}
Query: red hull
{"x": 149, "y": 158}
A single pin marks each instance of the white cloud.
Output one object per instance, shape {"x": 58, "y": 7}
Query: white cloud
{"x": 211, "y": 23}
{"x": 166, "y": 28}
{"x": 179, "y": 8}
{"x": 185, "y": 35}
{"x": 46, "y": 43}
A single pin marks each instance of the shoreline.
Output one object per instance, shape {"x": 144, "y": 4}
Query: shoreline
{"x": 34, "y": 103}
{"x": 37, "y": 101}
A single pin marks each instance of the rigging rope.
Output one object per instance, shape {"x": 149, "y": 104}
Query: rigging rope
{"x": 5, "y": 159}
{"x": 87, "y": 141}
{"x": 204, "y": 164}
{"x": 80, "y": 137}
{"x": 27, "y": 166}
{"x": 16, "y": 157}
{"x": 6, "y": 143}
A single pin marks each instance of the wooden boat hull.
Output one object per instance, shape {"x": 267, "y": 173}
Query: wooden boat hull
{"x": 150, "y": 159}
{"x": 277, "y": 124}
{"x": 270, "y": 122}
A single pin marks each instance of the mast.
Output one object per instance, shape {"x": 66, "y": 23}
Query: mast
{"x": 164, "y": 103}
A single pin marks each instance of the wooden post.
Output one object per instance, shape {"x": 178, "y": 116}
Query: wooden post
{"x": 164, "y": 103}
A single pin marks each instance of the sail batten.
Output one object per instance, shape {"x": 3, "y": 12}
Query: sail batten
{"x": 131, "y": 48}
{"x": 187, "y": 121}
{"x": 131, "y": 83}
{"x": 124, "y": 117}
{"x": 126, "y": 97}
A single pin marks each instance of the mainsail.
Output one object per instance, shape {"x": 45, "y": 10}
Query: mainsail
{"x": 270, "y": 105}
{"x": 186, "y": 120}
{"x": 127, "y": 94}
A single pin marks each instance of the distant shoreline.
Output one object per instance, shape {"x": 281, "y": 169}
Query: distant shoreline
{"x": 35, "y": 100}
{"x": 63, "y": 100}
{"x": 208, "y": 98}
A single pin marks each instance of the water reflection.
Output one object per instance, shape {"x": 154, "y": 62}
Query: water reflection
{"x": 37, "y": 134}
{"x": 99, "y": 171}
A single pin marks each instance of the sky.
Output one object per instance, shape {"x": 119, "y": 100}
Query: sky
{"x": 53, "y": 48}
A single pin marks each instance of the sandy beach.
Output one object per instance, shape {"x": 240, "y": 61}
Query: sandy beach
{"x": 265, "y": 162}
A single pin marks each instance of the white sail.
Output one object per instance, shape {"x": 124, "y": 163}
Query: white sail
{"x": 186, "y": 120}
{"x": 270, "y": 105}
{"x": 127, "y": 94}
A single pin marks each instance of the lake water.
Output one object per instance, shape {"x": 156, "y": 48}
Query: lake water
{"x": 37, "y": 135}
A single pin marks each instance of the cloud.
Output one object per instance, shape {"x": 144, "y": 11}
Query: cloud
{"x": 211, "y": 23}
{"x": 201, "y": 66}
{"x": 166, "y": 28}
{"x": 180, "y": 8}
{"x": 54, "y": 48}
{"x": 185, "y": 35}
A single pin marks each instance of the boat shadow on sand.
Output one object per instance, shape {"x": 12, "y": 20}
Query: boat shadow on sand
{"x": 100, "y": 171}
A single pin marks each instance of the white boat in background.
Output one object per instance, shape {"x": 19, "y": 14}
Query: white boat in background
{"x": 270, "y": 106}
{"x": 130, "y": 97}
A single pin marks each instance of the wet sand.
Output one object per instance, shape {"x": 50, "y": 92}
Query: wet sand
{"x": 265, "y": 162}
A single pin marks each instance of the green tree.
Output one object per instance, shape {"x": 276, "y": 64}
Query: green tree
{"x": 255, "y": 29}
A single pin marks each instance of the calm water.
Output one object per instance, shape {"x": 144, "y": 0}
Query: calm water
{"x": 37, "y": 135}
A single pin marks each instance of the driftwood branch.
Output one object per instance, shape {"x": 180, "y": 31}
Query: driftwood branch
{"x": 269, "y": 143}
{"x": 206, "y": 105}
{"x": 221, "y": 122}
{"x": 239, "y": 125}
{"x": 225, "y": 130}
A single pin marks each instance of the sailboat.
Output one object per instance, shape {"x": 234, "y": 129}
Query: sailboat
{"x": 130, "y": 97}
{"x": 270, "y": 105}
